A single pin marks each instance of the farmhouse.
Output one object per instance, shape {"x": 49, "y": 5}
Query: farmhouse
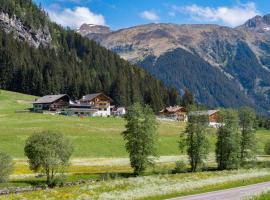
{"x": 51, "y": 103}
{"x": 176, "y": 113}
{"x": 91, "y": 105}
{"x": 212, "y": 116}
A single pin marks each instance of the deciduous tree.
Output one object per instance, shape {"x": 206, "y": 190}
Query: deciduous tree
{"x": 248, "y": 140}
{"x": 48, "y": 152}
{"x": 6, "y": 167}
{"x": 228, "y": 146}
{"x": 140, "y": 136}
{"x": 195, "y": 141}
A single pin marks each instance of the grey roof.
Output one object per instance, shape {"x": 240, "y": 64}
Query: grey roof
{"x": 49, "y": 98}
{"x": 204, "y": 112}
{"x": 90, "y": 97}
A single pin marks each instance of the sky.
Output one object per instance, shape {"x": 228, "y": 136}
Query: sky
{"x": 119, "y": 14}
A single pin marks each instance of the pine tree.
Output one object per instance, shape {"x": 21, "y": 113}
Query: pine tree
{"x": 187, "y": 99}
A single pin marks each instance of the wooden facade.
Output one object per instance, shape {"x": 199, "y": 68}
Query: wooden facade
{"x": 51, "y": 103}
{"x": 174, "y": 112}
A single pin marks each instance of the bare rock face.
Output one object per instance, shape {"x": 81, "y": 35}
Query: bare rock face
{"x": 87, "y": 29}
{"x": 258, "y": 23}
{"x": 35, "y": 38}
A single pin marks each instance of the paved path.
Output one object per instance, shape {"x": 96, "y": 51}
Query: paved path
{"x": 230, "y": 194}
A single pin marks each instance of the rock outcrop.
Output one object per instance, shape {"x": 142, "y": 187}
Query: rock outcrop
{"x": 35, "y": 37}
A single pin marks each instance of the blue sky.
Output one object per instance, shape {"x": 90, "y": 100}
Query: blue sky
{"x": 119, "y": 14}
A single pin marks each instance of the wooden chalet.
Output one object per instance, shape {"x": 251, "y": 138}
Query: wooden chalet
{"x": 213, "y": 116}
{"x": 51, "y": 103}
{"x": 174, "y": 112}
{"x": 92, "y": 105}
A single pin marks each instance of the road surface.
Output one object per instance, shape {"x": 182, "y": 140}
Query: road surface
{"x": 230, "y": 194}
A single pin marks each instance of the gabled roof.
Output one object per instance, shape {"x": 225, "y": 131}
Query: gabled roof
{"x": 204, "y": 112}
{"x": 49, "y": 98}
{"x": 90, "y": 97}
{"x": 172, "y": 109}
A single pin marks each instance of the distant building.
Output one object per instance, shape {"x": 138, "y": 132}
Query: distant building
{"x": 212, "y": 116}
{"x": 91, "y": 105}
{"x": 51, "y": 103}
{"x": 175, "y": 113}
{"x": 120, "y": 111}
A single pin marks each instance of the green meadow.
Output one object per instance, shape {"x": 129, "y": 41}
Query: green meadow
{"x": 91, "y": 137}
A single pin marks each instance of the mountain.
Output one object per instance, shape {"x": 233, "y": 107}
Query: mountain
{"x": 88, "y": 29}
{"x": 39, "y": 57}
{"x": 222, "y": 66}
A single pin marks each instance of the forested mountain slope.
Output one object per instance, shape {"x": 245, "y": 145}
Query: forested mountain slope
{"x": 222, "y": 66}
{"x": 39, "y": 57}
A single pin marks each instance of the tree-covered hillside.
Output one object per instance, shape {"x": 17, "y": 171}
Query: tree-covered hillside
{"x": 69, "y": 64}
{"x": 181, "y": 68}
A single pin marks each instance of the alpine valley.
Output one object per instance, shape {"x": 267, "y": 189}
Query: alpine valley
{"x": 221, "y": 66}
{"x": 39, "y": 57}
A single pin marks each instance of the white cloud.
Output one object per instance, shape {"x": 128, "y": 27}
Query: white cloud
{"x": 74, "y": 18}
{"x": 232, "y": 16}
{"x": 149, "y": 15}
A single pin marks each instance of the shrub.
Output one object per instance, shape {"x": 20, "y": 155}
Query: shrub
{"x": 6, "y": 167}
{"x": 180, "y": 167}
{"x": 267, "y": 148}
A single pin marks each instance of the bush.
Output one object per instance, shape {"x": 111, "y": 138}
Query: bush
{"x": 6, "y": 167}
{"x": 267, "y": 148}
{"x": 180, "y": 167}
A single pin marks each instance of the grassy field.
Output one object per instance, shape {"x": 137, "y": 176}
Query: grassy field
{"x": 92, "y": 137}
{"x": 99, "y": 150}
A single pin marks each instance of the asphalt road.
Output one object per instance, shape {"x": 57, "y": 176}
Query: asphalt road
{"x": 230, "y": 194}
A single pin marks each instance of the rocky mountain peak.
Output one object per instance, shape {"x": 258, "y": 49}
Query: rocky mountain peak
{"x": 87, "y": 29}
{"x": 266, "y": 19}
{"x": 258, "y": 23}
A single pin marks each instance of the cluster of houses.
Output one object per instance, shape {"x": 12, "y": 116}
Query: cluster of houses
{"x": 94, "y": 105}
{"x": 179, "y": 113}
{"x": 100, "y": 105}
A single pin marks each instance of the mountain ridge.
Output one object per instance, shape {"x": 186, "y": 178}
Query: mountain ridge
{"x": 219, "y": 46}
{"x": 65, "y": 62}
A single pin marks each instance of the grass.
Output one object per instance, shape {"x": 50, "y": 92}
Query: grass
{"x": 92, "y": 137}
{"x": 263, "y": 196}
{"x": 152, "y": 187}
{"x": 99, "y": 149}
